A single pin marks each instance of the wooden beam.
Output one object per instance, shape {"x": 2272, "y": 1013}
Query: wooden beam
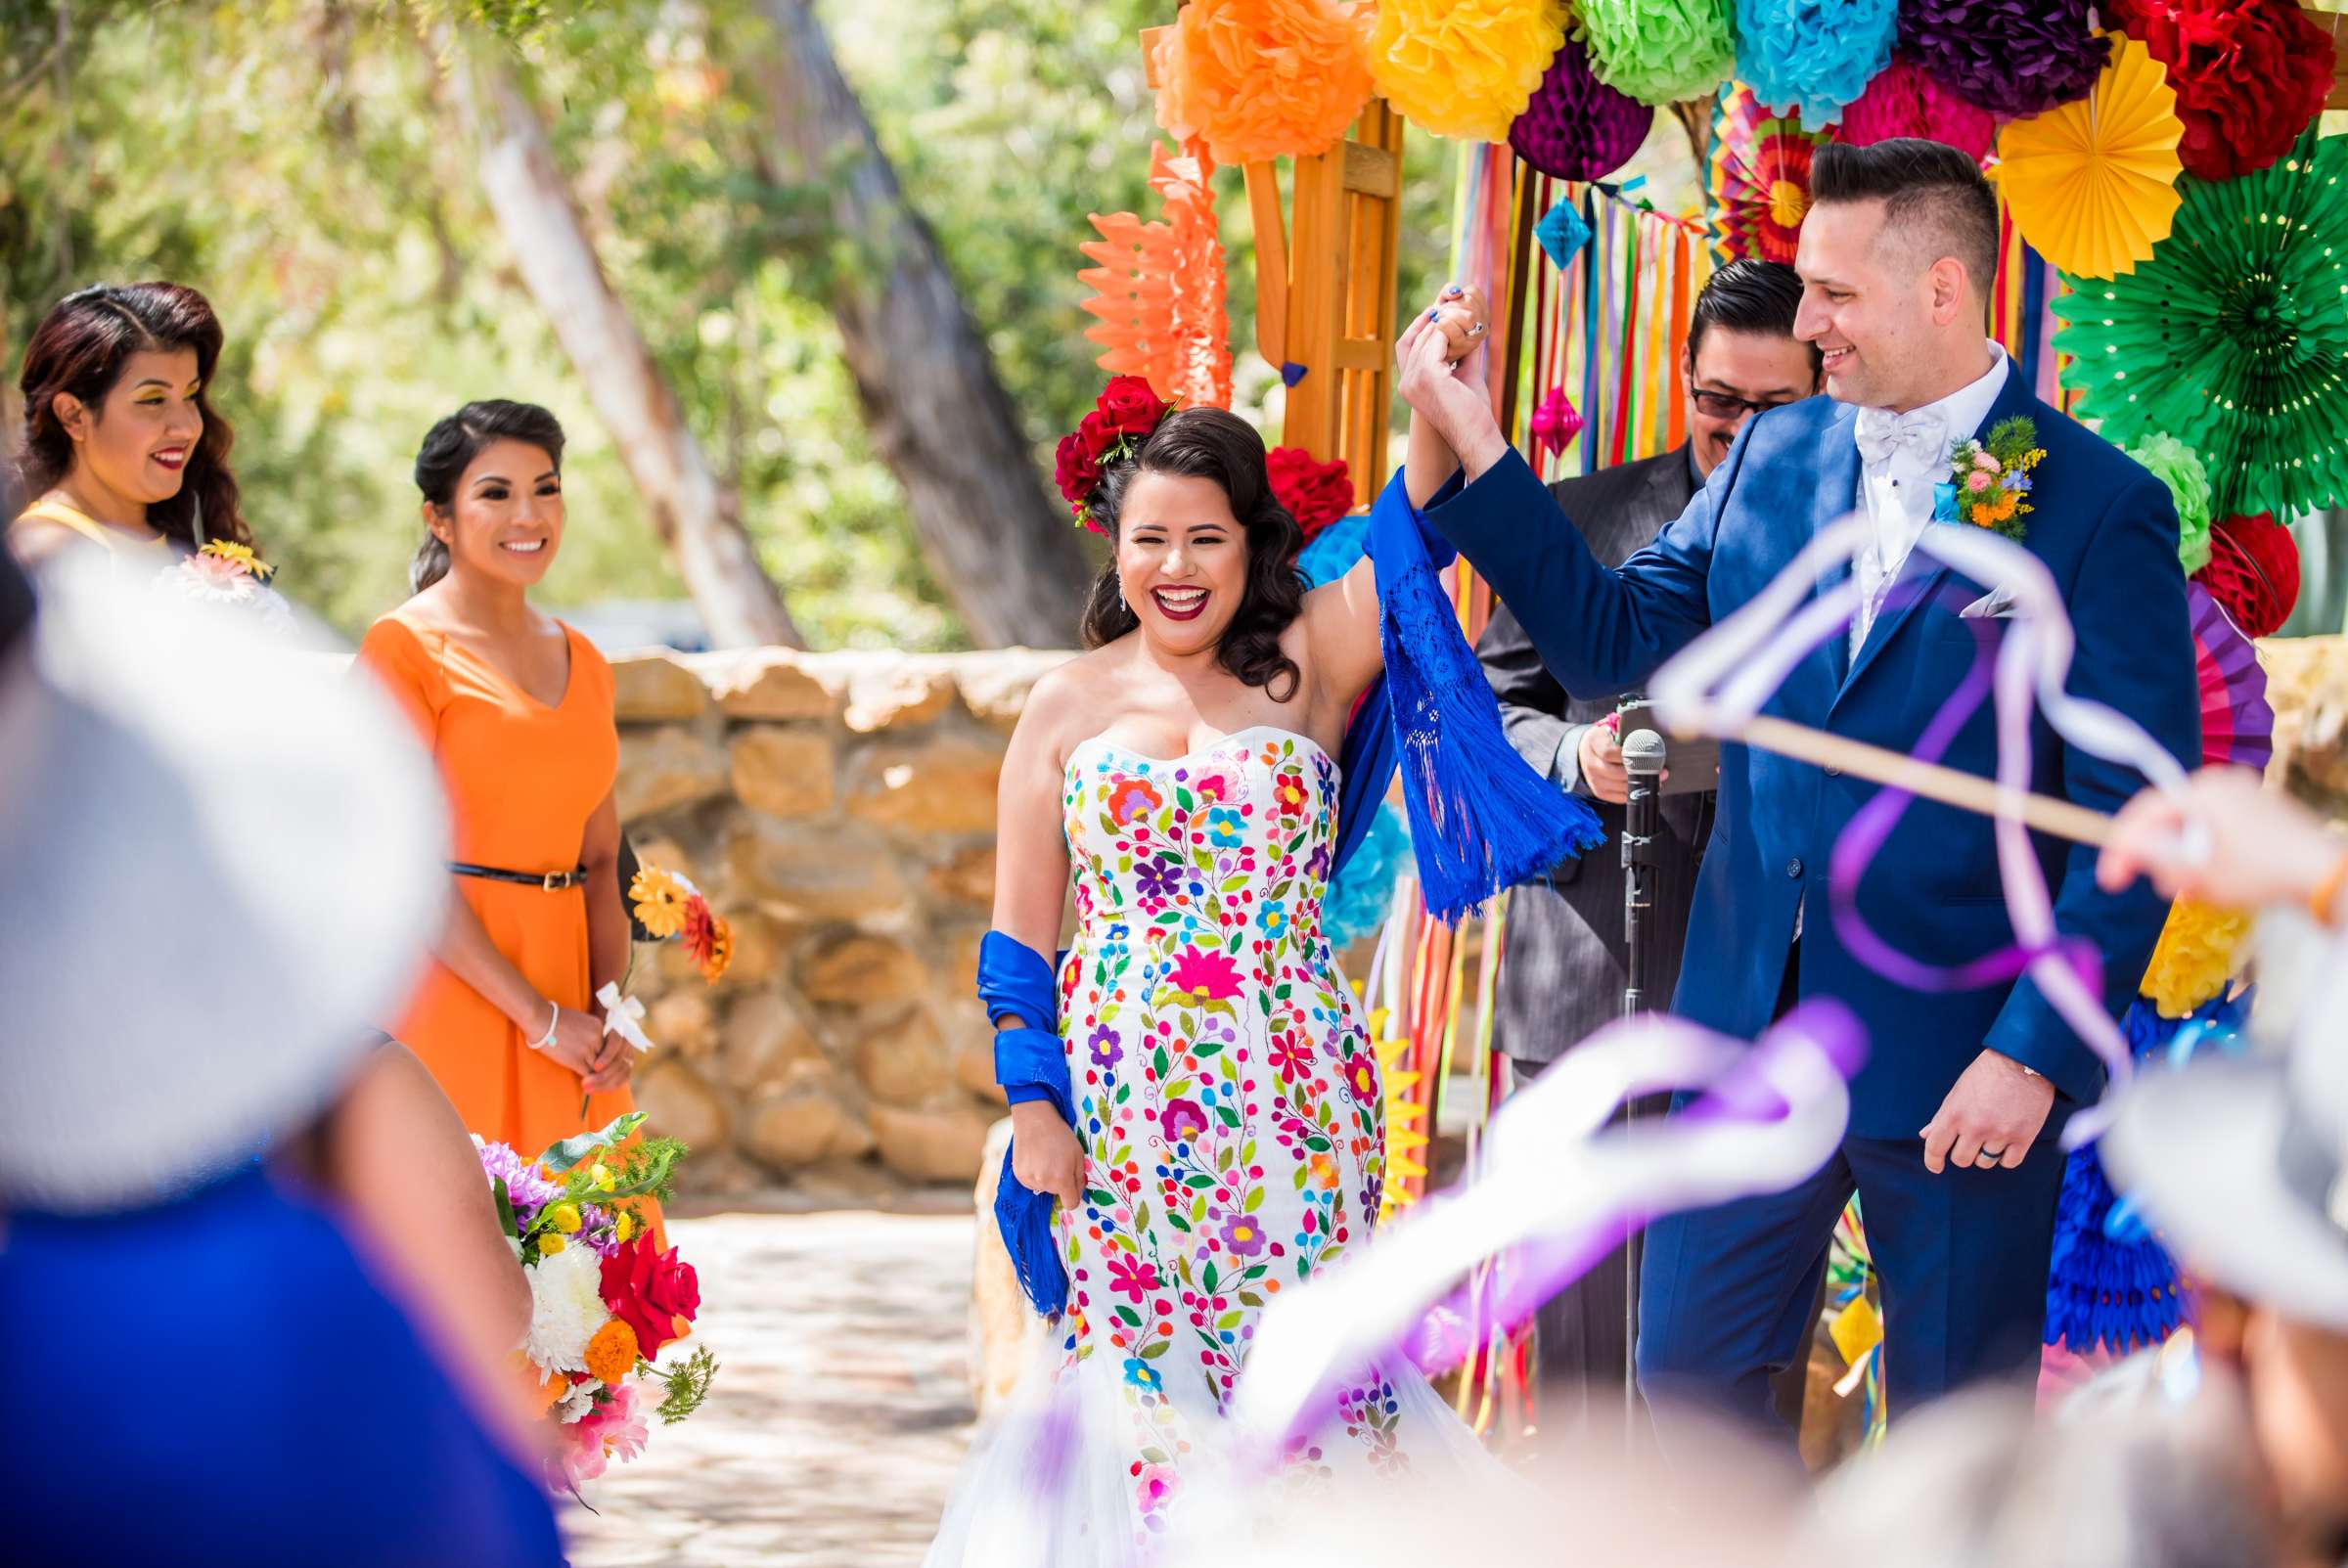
{"x": 2336, "y": 24}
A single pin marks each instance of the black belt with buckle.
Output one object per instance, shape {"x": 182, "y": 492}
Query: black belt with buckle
{"x": 548, "y": 881}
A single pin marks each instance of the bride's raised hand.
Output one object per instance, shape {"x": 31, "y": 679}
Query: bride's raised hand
{"x": 1045, "y": 1156}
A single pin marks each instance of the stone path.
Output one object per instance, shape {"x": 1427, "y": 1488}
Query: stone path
{"x": 841, "y": 1409}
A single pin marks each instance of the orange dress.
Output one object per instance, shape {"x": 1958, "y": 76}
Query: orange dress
{"x": 522, "y": 779}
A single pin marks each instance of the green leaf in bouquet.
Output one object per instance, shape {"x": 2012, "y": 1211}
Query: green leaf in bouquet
{"x": 505, "y": 1207}
{"x": 569, "y": 1151}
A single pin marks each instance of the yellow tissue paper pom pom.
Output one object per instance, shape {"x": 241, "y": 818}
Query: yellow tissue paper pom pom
{"x": 2198, "y": 952}
{"x": 1463, "y": 68}
{"x": 611, "y": 1353}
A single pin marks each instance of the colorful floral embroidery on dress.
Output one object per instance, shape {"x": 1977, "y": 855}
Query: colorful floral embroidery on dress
{"x": 1227, "y": 1096}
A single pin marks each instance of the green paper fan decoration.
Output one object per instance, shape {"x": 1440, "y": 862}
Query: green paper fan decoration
{"x": 2179, "y": 467}
{"x": 1658, "y": 51}
{"x": 2233, "y": 337}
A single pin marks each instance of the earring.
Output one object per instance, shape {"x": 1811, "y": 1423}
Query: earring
{"x": 1121, "y": 605}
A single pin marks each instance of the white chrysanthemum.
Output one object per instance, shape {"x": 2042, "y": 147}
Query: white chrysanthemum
{"x": 566, "y": 1308}
{"x": 575, "y": 1405}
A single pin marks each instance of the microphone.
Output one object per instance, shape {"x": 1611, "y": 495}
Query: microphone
{"x": 1643, "y": 757}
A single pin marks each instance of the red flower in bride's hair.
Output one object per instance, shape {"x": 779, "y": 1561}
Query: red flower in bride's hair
{"x": 1128, "y": 407}
{"x": 1316, "y": 493}
{"x": 1076, "y": 470}
{"x": 1123, "y": 418}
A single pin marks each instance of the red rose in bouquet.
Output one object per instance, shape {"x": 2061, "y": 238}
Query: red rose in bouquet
{"x": 1128, "y": 407}
{"x": 1316, "y": 493}
{"x": 648, "y": 1291}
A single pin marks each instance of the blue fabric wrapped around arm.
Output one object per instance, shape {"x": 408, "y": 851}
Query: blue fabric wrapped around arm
{"x": 1030, "y": 1063}
{"x": 1481, "y": 819}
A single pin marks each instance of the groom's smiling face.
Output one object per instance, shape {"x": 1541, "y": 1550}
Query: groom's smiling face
{"x": 1873, "y": 302}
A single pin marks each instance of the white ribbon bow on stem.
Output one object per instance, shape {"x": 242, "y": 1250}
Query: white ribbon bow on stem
{"x": 625, "y": 1015}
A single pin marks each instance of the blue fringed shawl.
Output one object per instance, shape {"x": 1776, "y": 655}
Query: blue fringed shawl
{"x": 1481, "y": 820}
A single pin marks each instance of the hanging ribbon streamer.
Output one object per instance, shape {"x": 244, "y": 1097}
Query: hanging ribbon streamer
{"x": 1564, "y": 1189}
{"x": 1720, "y": 681}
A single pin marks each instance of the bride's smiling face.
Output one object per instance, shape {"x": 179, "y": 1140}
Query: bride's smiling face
{"x": 1182, "y": 560}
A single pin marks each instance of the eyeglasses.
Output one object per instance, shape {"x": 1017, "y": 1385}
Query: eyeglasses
{"x": 1721, "y": 406}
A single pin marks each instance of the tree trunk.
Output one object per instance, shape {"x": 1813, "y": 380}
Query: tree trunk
{"x": 697, "y": 517}
{"x": 1001, "y": 546}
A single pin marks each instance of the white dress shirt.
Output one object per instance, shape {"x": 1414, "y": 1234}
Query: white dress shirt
{"x": 1902, "y": 459}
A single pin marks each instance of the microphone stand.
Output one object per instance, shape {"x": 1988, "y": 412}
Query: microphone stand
{"x": 1642, "y": 758}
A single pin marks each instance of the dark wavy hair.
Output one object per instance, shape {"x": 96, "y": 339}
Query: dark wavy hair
{"x": 448, "y": 450}
{"x": 81, "y": 346}
{"x": 1210, "y": 443}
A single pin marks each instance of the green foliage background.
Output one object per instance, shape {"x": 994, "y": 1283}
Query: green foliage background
{"x": 304, "y": 162}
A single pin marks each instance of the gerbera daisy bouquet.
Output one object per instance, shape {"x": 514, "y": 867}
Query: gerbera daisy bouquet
{"x": 605, "y": 1299}
{"x": 666, "y": 907}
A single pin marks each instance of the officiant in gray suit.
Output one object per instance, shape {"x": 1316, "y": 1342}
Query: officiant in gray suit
{"x": 1563, "y": 969}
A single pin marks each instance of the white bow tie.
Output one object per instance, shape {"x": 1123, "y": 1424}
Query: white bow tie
{"x": 1921, "y": 434}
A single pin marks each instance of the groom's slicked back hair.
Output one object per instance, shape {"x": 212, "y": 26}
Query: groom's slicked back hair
{"x": 1933, "y": 195}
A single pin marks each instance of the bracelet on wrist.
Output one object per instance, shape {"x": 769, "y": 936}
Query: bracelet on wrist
{"x": 552, "y": 1025}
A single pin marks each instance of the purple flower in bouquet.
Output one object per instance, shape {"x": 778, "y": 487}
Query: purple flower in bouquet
{"x": 527, "y": 1187}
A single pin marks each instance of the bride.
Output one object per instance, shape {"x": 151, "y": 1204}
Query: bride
{"x": 1197, "y": 1121}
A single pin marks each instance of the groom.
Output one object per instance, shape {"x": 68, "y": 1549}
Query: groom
{"x": 1952, "y": 1144}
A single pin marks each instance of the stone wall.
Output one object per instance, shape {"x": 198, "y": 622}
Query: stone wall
{"x": 840, "y": 808}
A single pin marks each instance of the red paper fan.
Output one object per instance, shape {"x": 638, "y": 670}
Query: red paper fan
{"x": 1757, "y": 178}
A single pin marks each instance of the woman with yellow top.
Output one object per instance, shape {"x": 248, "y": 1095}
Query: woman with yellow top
{"x": 517, "y": 709}
{"x": 121, "y": 451}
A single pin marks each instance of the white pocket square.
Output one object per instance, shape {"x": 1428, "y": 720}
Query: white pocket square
{"x": 1995, "y": 605}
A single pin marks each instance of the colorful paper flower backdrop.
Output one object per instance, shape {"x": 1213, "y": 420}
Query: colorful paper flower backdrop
{"x": 1577, "y": 127}
{"x": 2179, "y": 467}
{"x": 2233, "y": 337}
{"x": 1904, "y": 102}
{"x": 1259, "y": 79}
{"x": 1813, "y": 57}
{"x": 2092, "y": 185}
{"x": 1757, "y": 179}
{"x": 1158, "y": 286}
{"x": 2253, "y": 573}
{"x": 2237, "y": 723}
{"x": 2008, "y": 56}
{"x": 1658, "y": 51}
{"x": 2250, "y": 76}
{"x": 1463, "y": 68}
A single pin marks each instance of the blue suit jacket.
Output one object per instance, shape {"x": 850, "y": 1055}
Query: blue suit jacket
{"x": 2108, "y": 531}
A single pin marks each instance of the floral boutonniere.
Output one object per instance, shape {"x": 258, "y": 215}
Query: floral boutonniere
{"x": 1989, "y": 480}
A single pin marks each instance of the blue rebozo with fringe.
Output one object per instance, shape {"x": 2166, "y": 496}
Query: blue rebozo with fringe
{"x": 1481, "y": 820}
{"x": 2109, "y": 1284}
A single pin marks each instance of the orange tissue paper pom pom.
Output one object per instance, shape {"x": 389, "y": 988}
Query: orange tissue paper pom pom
{"x": 1463, "y": 68}
{"x": 1258, "y": 79}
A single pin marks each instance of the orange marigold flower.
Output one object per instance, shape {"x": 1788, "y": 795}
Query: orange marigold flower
{"x": 539, "y": 1389}
{"x": 611, "y": 1353}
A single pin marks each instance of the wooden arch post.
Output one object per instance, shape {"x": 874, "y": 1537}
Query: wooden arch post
{"x": 1326, "y": 275}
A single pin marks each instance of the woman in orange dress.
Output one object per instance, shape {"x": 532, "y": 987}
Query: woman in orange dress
{"x": 517, "y": 708}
